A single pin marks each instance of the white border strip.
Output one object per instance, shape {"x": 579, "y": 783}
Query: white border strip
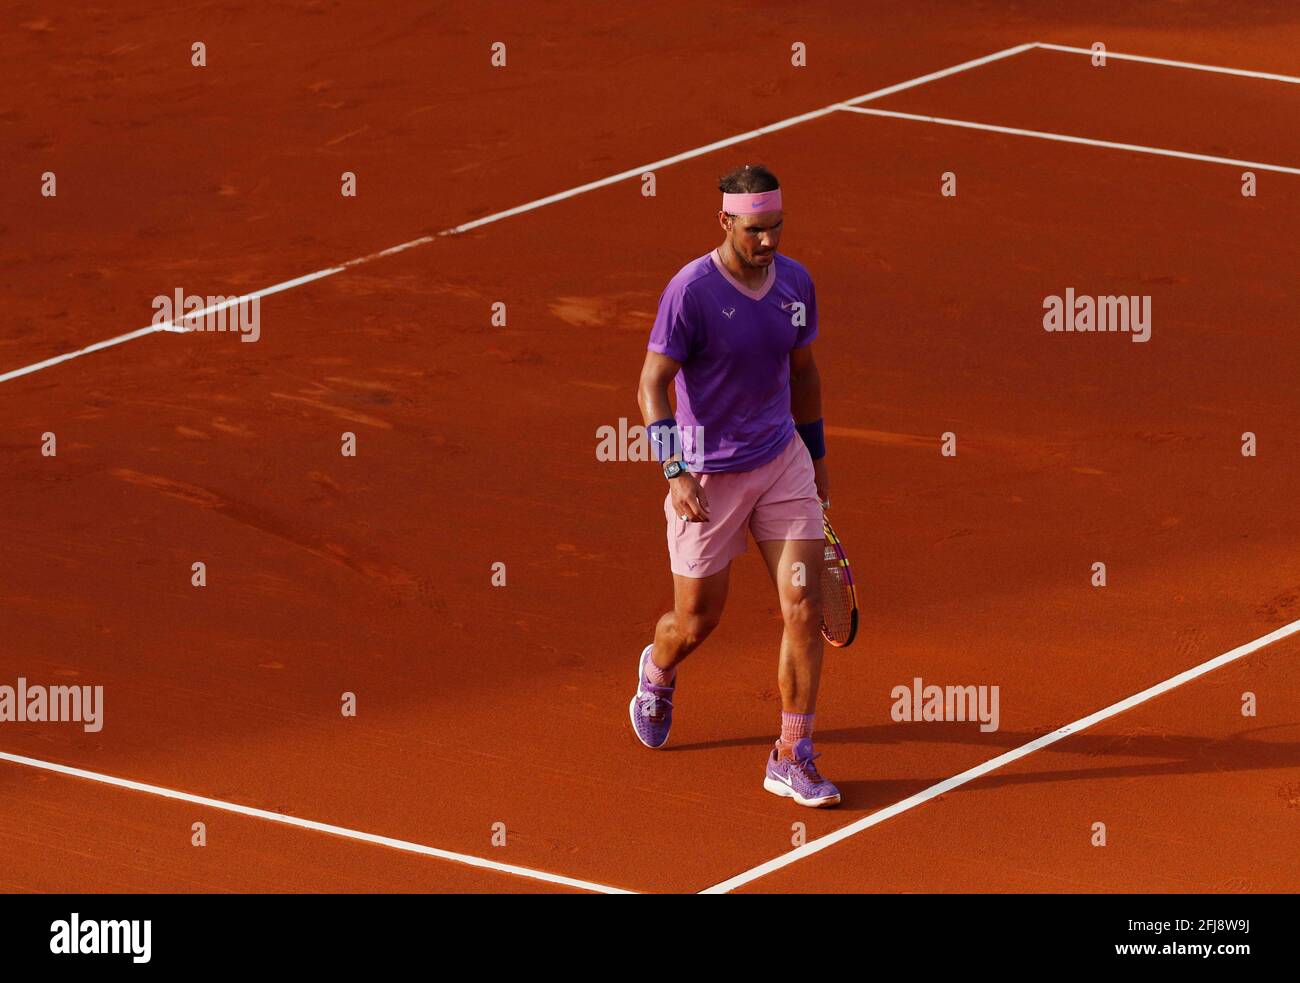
{"x": 350, "y": 834}
{"x": 530, "y": 206}
{"x": 911, "y": 802}
{"x": 1065, "y": 138}
{"x": 1219, "y": 69}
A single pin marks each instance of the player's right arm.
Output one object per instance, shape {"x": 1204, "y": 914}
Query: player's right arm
{"x": 652, "y": 394}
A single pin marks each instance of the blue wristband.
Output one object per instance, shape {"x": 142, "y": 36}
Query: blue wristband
{"x": 814, "y": 437}
{"x": 665, "y": 438}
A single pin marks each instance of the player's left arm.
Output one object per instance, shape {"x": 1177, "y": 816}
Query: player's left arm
{"x": 806, "y": 408}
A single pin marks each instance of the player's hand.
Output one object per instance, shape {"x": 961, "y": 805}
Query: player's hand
{"x": 823, "y": 480}
{"x": 689, "y": 499}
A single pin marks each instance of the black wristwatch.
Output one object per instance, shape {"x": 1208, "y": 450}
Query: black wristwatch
{"x": 674, "y": 468}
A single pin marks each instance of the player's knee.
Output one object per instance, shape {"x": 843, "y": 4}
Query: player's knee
{"x": 803, "y": 614}
{"x": 696, "y": 627}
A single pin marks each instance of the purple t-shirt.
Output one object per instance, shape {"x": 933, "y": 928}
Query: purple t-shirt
{"x": 734, "y": 345}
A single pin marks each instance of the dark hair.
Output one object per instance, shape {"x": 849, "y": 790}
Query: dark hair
{"x": 748, "y": 179}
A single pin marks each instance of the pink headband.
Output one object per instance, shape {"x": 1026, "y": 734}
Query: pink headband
{"x": 764, "y": 201}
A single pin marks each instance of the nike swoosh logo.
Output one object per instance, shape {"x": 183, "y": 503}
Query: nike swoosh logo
{"x": 785, "y": 779}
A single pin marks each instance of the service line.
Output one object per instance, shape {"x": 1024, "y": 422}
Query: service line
{"x": 1066, "y": 138}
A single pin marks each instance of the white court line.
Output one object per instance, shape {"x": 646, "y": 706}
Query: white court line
{"x": 351, "y": 834}
{"x": 1219, "y": 69}
{"x": 911, "y": 802}
{"x": 530, "y": 206}
{"x": 1065, "y": 138}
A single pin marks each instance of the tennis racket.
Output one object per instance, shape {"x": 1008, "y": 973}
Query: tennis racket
{"x": 839, "y": 597}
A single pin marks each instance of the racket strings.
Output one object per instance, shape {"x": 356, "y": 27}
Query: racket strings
{"x": 837, "y": 605}
{"x": 839, "y": 596}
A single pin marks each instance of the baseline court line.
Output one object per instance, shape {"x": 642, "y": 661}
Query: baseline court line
{"x": 527, "y": 207}
{"x": 1066, "y": 138}
{"x": 1219, "y": 69}
{"x": 993, "y": 764}
{"x": 276, "y": 817}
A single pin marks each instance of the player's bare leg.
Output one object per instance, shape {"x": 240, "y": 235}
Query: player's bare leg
{"x": 795, "y": 567}
{"x": 697, "y": 609}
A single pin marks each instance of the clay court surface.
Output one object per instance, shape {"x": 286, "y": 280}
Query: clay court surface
{"x": 482, "y": 705}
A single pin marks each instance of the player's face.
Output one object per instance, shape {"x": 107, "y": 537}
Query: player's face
{"x": 755, "y": 238}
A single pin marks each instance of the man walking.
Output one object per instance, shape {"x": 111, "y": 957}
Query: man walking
{"x": 745, "y": 454}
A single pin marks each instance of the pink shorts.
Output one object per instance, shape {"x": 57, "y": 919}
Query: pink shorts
{"x": 776, "y": 500}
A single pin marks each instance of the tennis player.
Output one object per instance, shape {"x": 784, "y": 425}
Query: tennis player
{"x": 735, "y": 329}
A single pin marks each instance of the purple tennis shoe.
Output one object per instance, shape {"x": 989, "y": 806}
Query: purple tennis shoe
{"x": 651, "y": 709}
{"x": 796, "y": 777}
